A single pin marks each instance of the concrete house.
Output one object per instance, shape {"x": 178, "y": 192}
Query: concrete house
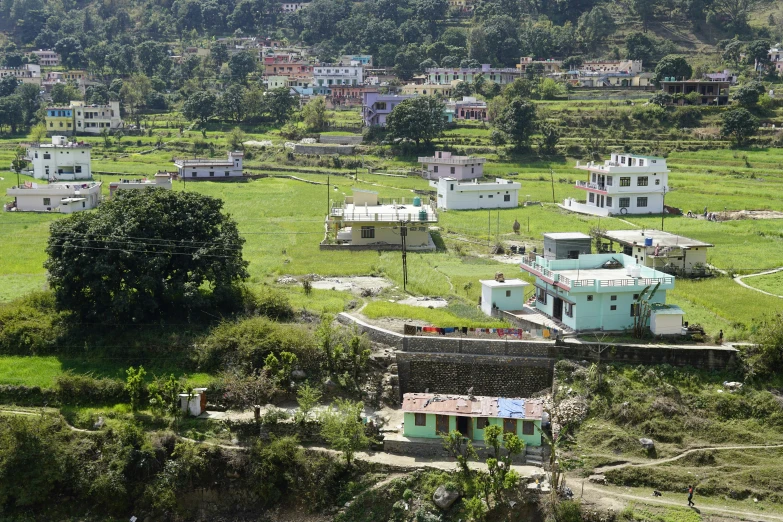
{"x": 55, "y": 197}
{"x": 502, "y": 294}
{"x": 466, "y": 195}
{"x": 376, "y": 107}
{"x": 708, "y": 92}
{"x": 444, "y": 164}
{"x": 366, "y": 222}
{"x": 566, "y": 245}
{"x": 327, "y": 75}
{"x": 93, "y": 119}
{"x": 446, "y": 75}
{"x": 161, "y": 180}
{"x": 47, "y": 58}
{"x": 430, "y": 89}
{"x": 468, "y": 108}
{"x": 60, "y": 160}
{"x": 661, "y": 250}
{"x": 624, "y": 184}
{"x": 201, "y": 168}
{"x": 548, "y": 67}
{"x": 27, "y": 73}
{"x": 429, "y": 416}
{"x": 595, "y": 291}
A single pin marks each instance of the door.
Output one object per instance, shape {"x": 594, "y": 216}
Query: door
{"x": 510, "y": 426}
{"x": 441, "y": 424}
{"x": 557, "y": 309}
{"x": 463, "y": 425}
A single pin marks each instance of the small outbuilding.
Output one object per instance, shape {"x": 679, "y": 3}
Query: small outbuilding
{"x": 666, "y": 319}
{"x": 193, "y": 404}
{"x": 502, "y": 294}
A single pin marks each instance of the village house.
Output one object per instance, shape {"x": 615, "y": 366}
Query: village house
{"x": 79, "y": 118}
{"x": 546, "y": 67}
{"x": 595, "y": 291}
{"x": 725, "y": 76}
{"x": 661, "y": 250}
{"x": 468, "y": 108}
{"x": 365, "y": 60}
{"x": 429, "y": 89}
{"x": 285, "y": 65}
{"x": 706, "y": 91}
{"x": 206, "y": 168}
{"x": 566, "y": 245}
{"x": 28, "y": 73}
{"x": 502, "y": 294}
{"x": 62, "y": 197}
{"x": 446, "y": 75}
{"x": 161, "y": 180}
{"x": 60, "y": 160}
{"x": 454, "y": 194}
{"x": 376, "y": 107}
{"x": 292, "y": 7}
{"x": 364, "y": 219}
{"x": 444, "y": 164}
{"x": 775, "y": 56}
{"x": 47, "y": 58}
{"x": 624, "y": 184}
{"x": 328, "y": 75}
{"x": 430, "y": 416}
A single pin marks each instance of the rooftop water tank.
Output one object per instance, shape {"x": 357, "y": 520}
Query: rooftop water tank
{"x": 417, "y": 201}
{"x": 635, "y": 271}
{"x": 422, "y": 215}
{"x": 648, "y": 241}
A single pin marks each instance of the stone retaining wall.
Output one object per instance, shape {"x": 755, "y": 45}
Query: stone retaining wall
{"x": 303, "y": 148}
{"x": 341, "y": 140}
{"x": 434, "y": 449}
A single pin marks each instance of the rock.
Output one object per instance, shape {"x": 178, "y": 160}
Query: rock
{"x": 597, "y": 479}
{"x": 98, "y": 424}
{"x": 732, "y": 386}
{"x": 298, "y": 375}
{"x": 647, "y": 444}
{"x": 444, "y": 498}
{"x": 329, "y": 384}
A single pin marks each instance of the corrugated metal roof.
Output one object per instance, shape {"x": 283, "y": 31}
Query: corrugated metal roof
{"x": 474, "y": 406}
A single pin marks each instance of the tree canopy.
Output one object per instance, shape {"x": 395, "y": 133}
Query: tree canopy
{"x": 417, "y": 119}
{"x": 143, "y": 255}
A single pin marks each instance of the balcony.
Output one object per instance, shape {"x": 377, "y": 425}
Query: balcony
{"x": 592, "y": 186}
{"x": 459, "y": 160}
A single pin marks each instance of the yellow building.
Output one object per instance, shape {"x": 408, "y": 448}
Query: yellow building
{"x": 426, "y": 89}
{"x": 59, "y": 120}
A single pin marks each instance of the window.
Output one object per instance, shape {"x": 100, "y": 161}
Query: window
{"x": 641, "y": 181}
{"x": 490, "y": 196}
{"x": 47, "y": 201}
{"x": 212, "y": 174}
{"x": 541, "y": 296}
{"x": 192, "y": 174}
{"x": 609, "y": 201}
{"x": 451, "y": 186}
{"x": 508, "y": 293}
{"x": 613, "y": 308}
{"x": 657, "y": 182}
{"x": 481, "y": 423}
{"x": 608, "y": 181}
{"x": 420, "y": 419}
{"x": 472, "y": 170}
{"x": 528, "y": 427}
{"x": 636, "y": 296}
{"x": 591, "y": 198}
{"x": 634, "y": 310}
{"x": 509, "y": 425}
{"x": 507, "y": 197}
{"x": 589, "y": 297}
{"x": 47, "y": 155}
{"x": 452, "y": 170}
{"x": 568, "y": 309}
{"x": 435, "y": 169}
{"x": 226, "y": 174}
{"x": 641, "y": 202}
{"x": 625, "y": 182}
{"x": 368, "y": 232}
{"x": 622, "y": 160}
{"x": 77, "y": 169}
{"x": 481, "y": 196}
{"x": 625, "y": 202}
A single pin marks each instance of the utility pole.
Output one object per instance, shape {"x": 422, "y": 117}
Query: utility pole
{"x": 497, "y": 230}
{"x": 403, "y": 237}
{"x": 489, "y": 230}
{"x": 328, "y": 186}
{"x": 663, "y": 210}
{"x": 552, "y": 178}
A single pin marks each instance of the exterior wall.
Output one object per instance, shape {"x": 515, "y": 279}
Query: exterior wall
{"x": 47, "y": 199}
{"x": 665, "y": 324}
{"x": 455, "y": 196}
{"x": 428, "y": 89}
{"x": 470, "y": 170}
{"x": 328, "y": 75}
{"x": 275, "y": 82}
{"x": 93, "y": 119}
{"x": 428, "y": 431}
{"x": 60, "y": 120}
{"x": 418, "y": 236}
{"x": 60, "y": 163}
{"x": 377, "y": 107}
{"x": 497, "y": 296}
{"x": 687, "y": 259}
{"x": 219, "y": 169}
{"x": 563, "y": 248}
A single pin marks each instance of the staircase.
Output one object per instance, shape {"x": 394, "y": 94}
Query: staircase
{"x": 534, "y": 456}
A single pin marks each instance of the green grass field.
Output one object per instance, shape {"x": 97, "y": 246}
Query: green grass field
{"x": 772, "y": 283}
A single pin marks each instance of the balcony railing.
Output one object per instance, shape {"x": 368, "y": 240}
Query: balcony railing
{"x": 589, "y": 185}
{"x": 452, "y": 161}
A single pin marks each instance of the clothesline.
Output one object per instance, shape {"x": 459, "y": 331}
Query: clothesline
{"x": 413, "y": 330}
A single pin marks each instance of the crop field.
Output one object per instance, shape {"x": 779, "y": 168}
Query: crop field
{"x": 772, "y": 283}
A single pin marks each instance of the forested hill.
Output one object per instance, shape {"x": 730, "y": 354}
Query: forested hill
{"x": 106, "y": 34}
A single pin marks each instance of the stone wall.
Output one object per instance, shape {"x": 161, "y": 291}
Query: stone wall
{"x": 378, "y": 335}
{"x": 341, "y": 140}
{"x": 303, "y": 148}
{"x": 433, "y": 448}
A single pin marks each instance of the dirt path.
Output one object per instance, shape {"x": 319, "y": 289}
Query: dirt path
{"x": 739, "y": 281}
{"x": 599, "y": 495}
{"x": 685, "y": 453}
{"x": 33, "y": 413}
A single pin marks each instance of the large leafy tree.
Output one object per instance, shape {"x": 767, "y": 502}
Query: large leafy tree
{"x": 417, "y": 119}
{"x": 279, "y": 104}
{"x": 71, "y": 52}
{"x": 640, "y": 47}
{"x": 673, "y": 65}
{"x": 242, "y": 64}
{"x": 517, "y": 121}
{"x": 199, "y": 106}
{"x": 739, "y": 125}
{"x": 232, "y": 104}
{"x": 342, "y": 427}
{"x": 144, "y": 254}
{"x": 748, "y": 94}
{"x": 8, "y": 85}
{"x": 11, "y": 113}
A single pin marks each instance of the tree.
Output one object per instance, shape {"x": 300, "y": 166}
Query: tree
{"x": 519, "y": 88}
{"x": 501, "y": 474}
{"x": 307, "y": 397}
{"x": 417, "y": 119}
{"x": 152, "y": 253}
{"x": 242, "y": 64}
{"x": 236, "y": 139}
{"x": 19, "y": 162}
{"x": 63, "y": 93}
{"x": 461, "y": 89}
{"x": 594, "y": 26}
{"x": 280, "y": 104}
{"x": 748, "y": 94}
{"x": 732, "y": 14}
{"x": 640, "y": 47}
{"x": 642, "y": 308}
{"x": 219, "y": 54}
{"x": 673, "y": 66}
{"x": 765, "y": 358}
{"x": 164, "y": 395}
{"x": 356, "y": 356}
{"x": 252, "y": 390}
{"x": 30, "y": 98}
{"x": 460, "y": 448}
{"x": 550, "y": 137}
{"x": 134, "y": 385}
{"x": 517, "y": 121}
{"x": 645, "y": 9}
{"x": 328, "y": 341}
{"x": 549, "y": 89}
{"x": 314, "y": 114}
{"x": 71, "y": 52}
{"x": 11, "y": 113}
{"x": 280, "y": 367}
{"x": 231, "y": 105}
{"x": 151, "y": 55}
{"x": 739, "y": 125}
{"x": 343, "y": 428}
{"x": 8, "y": 85}
{"x": 199, "y": 106}
{"x": 135, "y": 91}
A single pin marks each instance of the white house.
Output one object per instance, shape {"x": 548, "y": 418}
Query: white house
{"x": 60, "y": 160}
{"x": 625, "y": 184}
{"x": 661, "y": 250}
{"x": 92, "y": 119}
{"x": 161, "y": 180}
{"x": 326, "y": 75}
{"x": 502, "y": 294}
{"x": 466, "y": 195}
{"x": 200, "y": 168}
{"x": 444, "y": 164}
{"x": 55, "y": 197}
{"x": 47, "y": 58}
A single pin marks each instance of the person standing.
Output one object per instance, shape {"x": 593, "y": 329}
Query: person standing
{"x": 720, "y": 337}
{"x": 690, "y": 496}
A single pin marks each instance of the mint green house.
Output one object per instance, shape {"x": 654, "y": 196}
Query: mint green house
{"x": 430, "y": 416}
{"x": 595, "y": 291}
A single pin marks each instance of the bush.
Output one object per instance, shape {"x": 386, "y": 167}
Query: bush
{"x": 28, "y": 326}
{"x": 75, "y": 389}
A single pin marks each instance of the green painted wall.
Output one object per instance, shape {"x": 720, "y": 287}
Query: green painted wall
{"x": 428, "y": 432}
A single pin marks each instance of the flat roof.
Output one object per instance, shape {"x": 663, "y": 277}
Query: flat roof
{"x": 659, "y": 238}
{"x": 473, "y": 406}
{"x": 385, "y": 213}
{"x": 508, "y": 282}
{"x": 566, "y": 235}
{"x": 666, "y": 309}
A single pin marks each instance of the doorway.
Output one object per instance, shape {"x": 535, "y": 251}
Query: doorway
{"x": 557, "y": 309}
{"x": 442, "y": 424}
{"x": 463, "y": 425}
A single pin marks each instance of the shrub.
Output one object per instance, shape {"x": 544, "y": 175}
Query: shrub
{"x": 29, "y": 325}
{"x": 79, "y": 389}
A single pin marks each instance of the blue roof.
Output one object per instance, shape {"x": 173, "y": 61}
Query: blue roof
{"x": 511, "y": 408}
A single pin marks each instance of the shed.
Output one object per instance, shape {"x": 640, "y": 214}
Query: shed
{"x": 503, "y": 295}
{"x": 194, "y": 404}
{"x": 566, "y": 245}
{"x": 666, "y": 319}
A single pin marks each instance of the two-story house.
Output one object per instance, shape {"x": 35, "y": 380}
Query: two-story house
{"x": 211, "y": 169}
{"x": 47, "y": 58}
{"x": 376, "y": 107}
{"x": 624, "y": 184}
{"x": 446, "y": 165}
{"x": 328, "y": 75}
{"x": 60, "y": 160}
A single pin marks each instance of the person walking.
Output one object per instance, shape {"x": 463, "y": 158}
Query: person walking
{"x": 720, "y": 337}
{"x": 690, "y": 496}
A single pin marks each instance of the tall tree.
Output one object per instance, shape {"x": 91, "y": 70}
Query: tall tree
{"x": 71, "y": 52}
{"x": 231, "y": 105}
{"x": 200, "y": 106}
{"x": 242, "y": 64}
{"x": 675, "y": 66}
{"x": 151, "y": 253}
{"x": 314, "y": 114}
{"x": 518, "y": 122}
{"x": 280, "y": 104}
{"x": 417, "y": 119}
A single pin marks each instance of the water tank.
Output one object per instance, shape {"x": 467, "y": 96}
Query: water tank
{"x": 422, "y": 215}
{"x": 635, "y": 271}
{"x": 417, "y": 201}
{"x": 648, "y": 241}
